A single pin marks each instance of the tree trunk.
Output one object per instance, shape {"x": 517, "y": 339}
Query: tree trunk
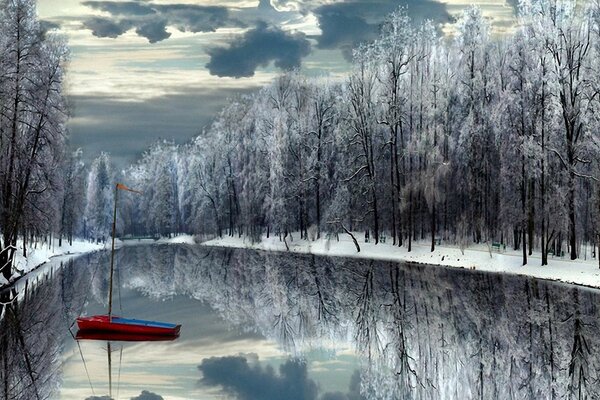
{"x": 375, "y": 216}
{"x": 353, "y": 238}
{"x": 572, "y": 226}
{"x": 393, "y": 194}
{"x": 433, "y": 228}
{"x": 531, "y": 216}
{"x": 523, "y": 210}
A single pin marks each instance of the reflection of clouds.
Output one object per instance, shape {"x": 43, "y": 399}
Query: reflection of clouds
{"x": 252, "y": 381}
{"x": 146, "y": 395}
{"x": 249, "y": 382}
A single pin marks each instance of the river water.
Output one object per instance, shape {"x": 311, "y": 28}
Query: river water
{"x": 259, "y": 325}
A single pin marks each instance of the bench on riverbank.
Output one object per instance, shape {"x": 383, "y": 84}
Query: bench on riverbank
{"x": 498, "y": 246}
{"x": 551, "y": 253}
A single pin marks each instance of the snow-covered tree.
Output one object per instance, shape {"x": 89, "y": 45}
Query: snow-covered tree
{"x": 32, "y": 118}
{"x": 99, "y": 199}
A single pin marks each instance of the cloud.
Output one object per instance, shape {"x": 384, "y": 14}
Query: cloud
{"x": 195, "y": 18}
{"x": 151, "y": 20}
{"x": 346, "y": 24}
{"x": 99, "y": 398}
{"x": 154, "y": 31}
{"x": 258, "y": 47}
{"x": 105, "y": 27}
{"x": 248, "y": 382}
{"x": 127, "y": 8}
{"x": 146, "y": 395}
{"x": 48, "y": 25}
{"x": 341, "y": 29}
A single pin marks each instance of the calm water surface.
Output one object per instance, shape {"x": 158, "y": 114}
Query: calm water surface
{"x": 279, "y": 326}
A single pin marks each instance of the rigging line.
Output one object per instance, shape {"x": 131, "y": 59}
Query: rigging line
{"x": 87, "y": 292}
{"x": 84, "y": 363}
{"x": 119, "y": 290}
{"x": 119, "y": 375}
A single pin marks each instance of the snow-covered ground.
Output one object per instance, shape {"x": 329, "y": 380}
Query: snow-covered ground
{"x": 581, "y": 272}
{"x": 176, "y": 239}
{"x": 44, "y": 252}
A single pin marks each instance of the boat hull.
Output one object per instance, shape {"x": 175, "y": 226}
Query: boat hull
{"x": 104, "y": 323}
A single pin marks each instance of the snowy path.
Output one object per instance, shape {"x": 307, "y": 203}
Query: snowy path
{"x": 580, "y": 272}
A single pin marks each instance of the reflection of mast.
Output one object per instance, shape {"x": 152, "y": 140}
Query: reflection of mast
{"x": 109, "y": 370}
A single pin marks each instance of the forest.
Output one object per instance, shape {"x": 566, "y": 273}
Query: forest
{"x": 463, "y": 138}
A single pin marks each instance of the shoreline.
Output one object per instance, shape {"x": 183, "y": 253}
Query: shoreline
{"x": 41, "y": 257}
{"x": 44, "y": 255}
{"x": 585, "y": 273}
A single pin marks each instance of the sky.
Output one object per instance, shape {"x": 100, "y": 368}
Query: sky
{"x": 145, "y": 70}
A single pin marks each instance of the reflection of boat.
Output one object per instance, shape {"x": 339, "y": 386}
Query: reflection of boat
{"x": 114, "y": 324}
{"x": 109, "y": 323}
{"x": 122, "y": 337}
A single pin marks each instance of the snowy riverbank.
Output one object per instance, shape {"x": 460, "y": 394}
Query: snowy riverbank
{"x": 580, "y": 272}
{"x": 44, "y": 252}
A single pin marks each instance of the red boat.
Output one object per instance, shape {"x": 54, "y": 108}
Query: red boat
{"x": 104, "y": 323}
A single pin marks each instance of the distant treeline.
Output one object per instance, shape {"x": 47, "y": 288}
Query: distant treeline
{"x": 465, "y": 139}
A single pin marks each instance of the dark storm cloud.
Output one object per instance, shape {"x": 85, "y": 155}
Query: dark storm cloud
{"x": 146, "y": 395}
{"x": 346, "y": 24}
{"x": 106, "y": 27}
{"x": 154, "y": 30}
{"x": 48, "y": 25}
{"x": 151, "y": 20}
{"x": 258, "y": 47}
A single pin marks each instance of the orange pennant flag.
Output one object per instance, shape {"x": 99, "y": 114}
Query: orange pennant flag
{"x": 123, "y": 187}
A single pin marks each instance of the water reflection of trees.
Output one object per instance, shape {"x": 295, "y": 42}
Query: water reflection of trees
{"x": 424, "y": 333}
{"x": 32, "y": 331}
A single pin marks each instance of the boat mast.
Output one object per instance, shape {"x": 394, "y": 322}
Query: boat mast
{"x": 112, "y": 256}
